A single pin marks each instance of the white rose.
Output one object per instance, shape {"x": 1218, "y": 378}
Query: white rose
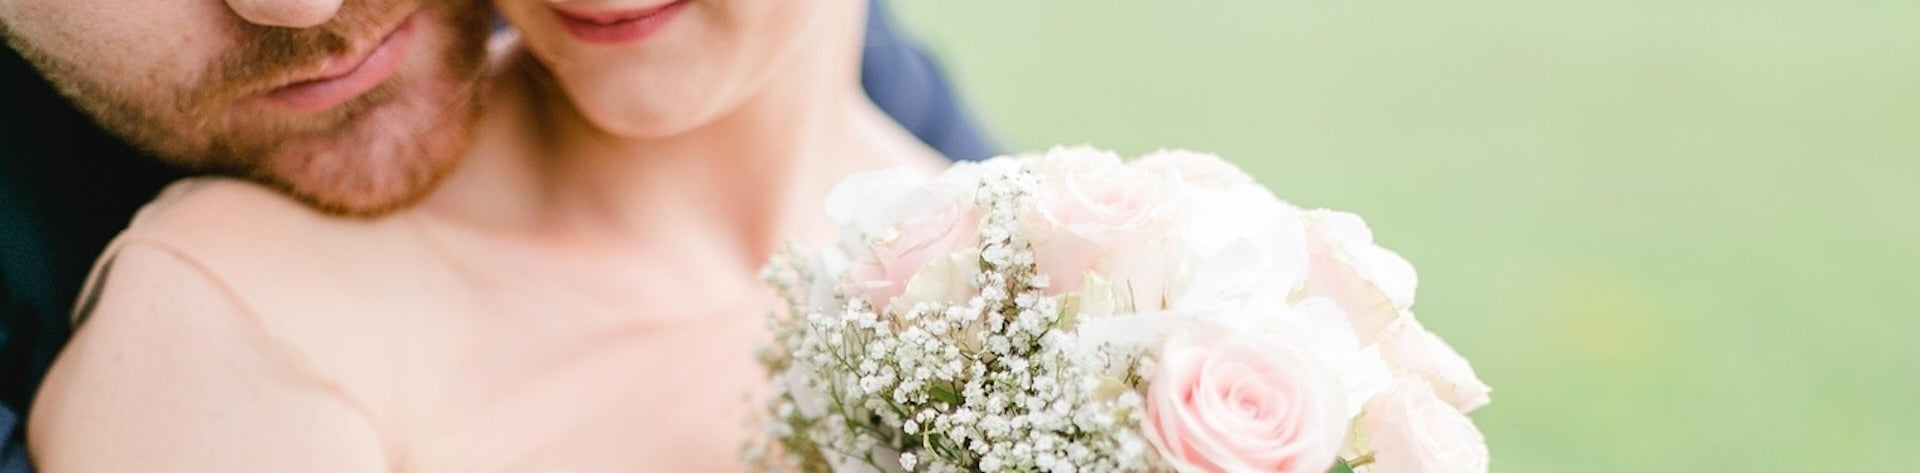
{"x": 1099, "y": 331}
{"x": 1409, "y": 430}
{"x": 1244, "y": 250}
{"x": 1195, "y": 168}
{"x": 871, "y": 203}
{"x": 1410, "y": 348}
{"x": 1245, "y": 246}
{"x": 1373, "y": 284}
{"x": 1362, "y": 371}
{"x": 947, "y": 280}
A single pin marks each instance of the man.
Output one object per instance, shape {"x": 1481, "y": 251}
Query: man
{"x": 203, "y": 84}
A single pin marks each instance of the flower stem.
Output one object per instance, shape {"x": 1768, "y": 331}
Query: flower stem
{"x": 1359, "y": 461}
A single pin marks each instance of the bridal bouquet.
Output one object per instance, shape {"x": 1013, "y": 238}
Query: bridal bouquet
{"x": 1070, "y": 312}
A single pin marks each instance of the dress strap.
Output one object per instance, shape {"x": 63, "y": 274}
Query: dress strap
{"x": 302, "y": 365}
{"x": 97, "y": 277}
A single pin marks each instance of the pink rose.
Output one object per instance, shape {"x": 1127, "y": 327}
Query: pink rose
{"x": 1095, "y": 215}
{"x": 1226, "y": 401}
{"x": 897, "y": 221}
{"x": 1373, "y": 284}
{"x": 1411, "y": 349}
{"x": 1409, "y": 430}
{"x": 884, "y": 265}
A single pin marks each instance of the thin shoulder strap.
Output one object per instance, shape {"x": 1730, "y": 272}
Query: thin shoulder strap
{"x": 306, "y": 367}
{"x": 97, "y": 277}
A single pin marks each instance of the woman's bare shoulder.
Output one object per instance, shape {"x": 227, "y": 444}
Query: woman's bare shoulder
{"x": 175, "y": 370}
{"x": 266, "y": 245}
{"x": 222, "y": 316}
{"x": 218, "y": 210}
{"x": 307, "y": 280}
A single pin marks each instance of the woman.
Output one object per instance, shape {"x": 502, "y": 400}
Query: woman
{"x": 577, "y": 296}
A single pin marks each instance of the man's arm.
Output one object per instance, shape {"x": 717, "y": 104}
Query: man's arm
{"x": 21, "y": 314}
{"x": 908, "y": 84}
{"x": 13, "y": 454}
{"x": 170, "y": 373}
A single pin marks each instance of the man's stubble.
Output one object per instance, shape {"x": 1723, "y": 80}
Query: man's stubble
{"x": 356, "y": 159}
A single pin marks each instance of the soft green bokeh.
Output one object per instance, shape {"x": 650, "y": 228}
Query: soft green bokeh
{"x": 1676, "y": 236}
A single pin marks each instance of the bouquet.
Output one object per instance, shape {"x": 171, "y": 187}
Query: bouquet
{"x": 1069, "y": 311}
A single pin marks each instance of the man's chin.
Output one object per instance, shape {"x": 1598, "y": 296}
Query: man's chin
{"x": 367, "y": 186}
{"x": 386, "y": 159}
{"x": 371, "y": 156}
{"x": 353, "y": 201}
{"x": 385, "y": 175}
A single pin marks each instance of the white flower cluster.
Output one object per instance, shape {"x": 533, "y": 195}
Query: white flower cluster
{"x": 1072, "y": 312}
{"x": 991, "y": 384}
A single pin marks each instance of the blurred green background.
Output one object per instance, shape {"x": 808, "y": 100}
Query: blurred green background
{"x": 1675, "y": 236}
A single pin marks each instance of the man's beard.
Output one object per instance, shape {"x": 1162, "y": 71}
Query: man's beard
{"x": 355, "y": 159}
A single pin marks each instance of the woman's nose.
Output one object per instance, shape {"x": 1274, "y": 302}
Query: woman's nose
{"x": 285, "y": 13}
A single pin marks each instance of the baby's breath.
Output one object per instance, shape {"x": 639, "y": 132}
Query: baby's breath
{"x": 992, "y": 384}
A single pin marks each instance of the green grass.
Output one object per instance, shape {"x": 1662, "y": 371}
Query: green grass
{"x": 1674, "y": 236}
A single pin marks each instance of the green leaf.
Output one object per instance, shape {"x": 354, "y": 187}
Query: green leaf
{"x": 944, "y": 394}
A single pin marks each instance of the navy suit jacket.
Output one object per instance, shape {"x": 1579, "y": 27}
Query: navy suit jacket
{"x": 67, "y": 187}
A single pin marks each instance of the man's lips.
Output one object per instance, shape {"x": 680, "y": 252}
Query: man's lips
{"x": 348, "y": 76}
{"x": 616, "y": 26}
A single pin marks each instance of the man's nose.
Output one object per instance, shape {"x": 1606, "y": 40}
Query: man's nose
{"x": 286, "y": 13}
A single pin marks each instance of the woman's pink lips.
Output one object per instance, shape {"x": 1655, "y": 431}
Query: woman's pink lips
{"x": 615, "y": 27}
{"x": 348, "y": 78}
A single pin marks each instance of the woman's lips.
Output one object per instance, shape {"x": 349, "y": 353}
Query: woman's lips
{"x": 349, "y": 77}
{"x": 616, "y": 26}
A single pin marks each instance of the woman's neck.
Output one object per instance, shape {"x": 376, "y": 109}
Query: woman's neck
{"x": 742, "y": 182}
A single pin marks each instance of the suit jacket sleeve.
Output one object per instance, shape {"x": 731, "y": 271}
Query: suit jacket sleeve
{"x": 909, "y": 85}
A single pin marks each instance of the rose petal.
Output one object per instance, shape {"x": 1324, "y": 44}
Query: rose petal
{"x": 1413, "y": 349}
{"x": 1225, "y": 399}
{"x": 1410, "y": 430}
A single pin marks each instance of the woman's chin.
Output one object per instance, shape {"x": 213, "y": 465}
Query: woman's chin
{"x": 655, "y": 121}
